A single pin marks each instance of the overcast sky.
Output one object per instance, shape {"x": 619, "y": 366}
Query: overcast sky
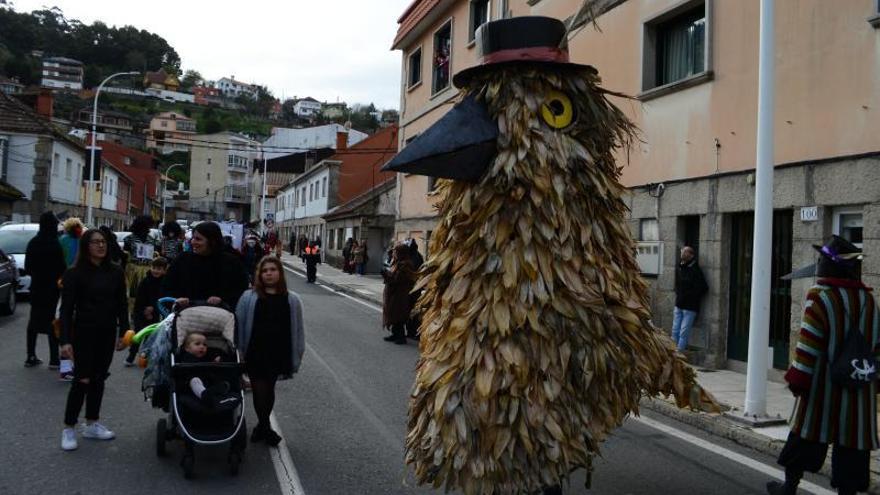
{"x": 326, "y": 49}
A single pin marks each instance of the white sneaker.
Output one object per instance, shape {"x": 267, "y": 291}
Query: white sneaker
{"x": 68, "y": 439}
{"x": 97, "y": 431}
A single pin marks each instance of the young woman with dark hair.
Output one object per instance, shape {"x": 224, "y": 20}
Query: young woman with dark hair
{"x": 94, "y": 315}
{"x": 271, "y": 337}
{"x": 208, "y": 273}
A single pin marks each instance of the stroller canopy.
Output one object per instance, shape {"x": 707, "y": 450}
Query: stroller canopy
{"x": 209, "y": 320}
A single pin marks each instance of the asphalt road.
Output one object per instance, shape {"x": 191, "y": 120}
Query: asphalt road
{"x": 343, "y": 418}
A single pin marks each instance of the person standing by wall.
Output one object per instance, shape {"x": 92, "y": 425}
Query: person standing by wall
{"x": 271, "y": 337}
{"x": 834, "y": 376}
{"x": 397, "y": 303}
{"x": 690, "y": 286}
{"x": 44, "y": 262}
{"x": 347, "y": 261}
{"x": 94, "y": 316}
{"x": 359, "y": 252}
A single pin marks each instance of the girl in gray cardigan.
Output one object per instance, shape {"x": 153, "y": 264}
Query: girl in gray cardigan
{"x": 271, "y": 338}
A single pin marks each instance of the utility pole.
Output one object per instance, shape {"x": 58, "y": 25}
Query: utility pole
{"x": 91, "y": 183}
{"x": 762, "y": 253}
{"x": 165, "y": 188}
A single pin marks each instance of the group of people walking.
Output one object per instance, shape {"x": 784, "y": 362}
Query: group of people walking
{"x": 101, "y": 294}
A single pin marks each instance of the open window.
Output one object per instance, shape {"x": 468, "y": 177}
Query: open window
{"x": 677, "y": 46}
{"x": 442, "y": 58}
{"x": 479, "y": 16}
{"x": 848, "y": 223}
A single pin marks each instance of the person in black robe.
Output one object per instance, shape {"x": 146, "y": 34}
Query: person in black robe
{"x": 44, "y": 262}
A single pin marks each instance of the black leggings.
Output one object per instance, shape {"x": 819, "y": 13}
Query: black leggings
{"x": 40, "y": 321}
{"x": 263, "y": 393}
{"x": 91, "y": 393}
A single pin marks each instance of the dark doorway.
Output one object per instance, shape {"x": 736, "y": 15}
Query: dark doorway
{"x": 741, "y": 285}
{"x": 689, "y": 227}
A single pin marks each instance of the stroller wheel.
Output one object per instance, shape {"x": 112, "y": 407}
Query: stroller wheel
{"x": 239, "y": 443}
{"x": 234, "y": 463}
{"x": 188, "y": 463}
{"x": 161, "y": 436}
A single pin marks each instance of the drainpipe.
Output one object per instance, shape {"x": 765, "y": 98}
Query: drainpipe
{"x": 759, "y": 322}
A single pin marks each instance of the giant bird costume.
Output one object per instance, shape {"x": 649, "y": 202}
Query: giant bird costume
{"x": 537, "y": 339}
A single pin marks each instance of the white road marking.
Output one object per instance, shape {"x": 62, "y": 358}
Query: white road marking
{"x": 285, "y": 471}
{"x": 729, "y": 454}
{"x": 669, "y": 430}
{"x": 330, "y": 289}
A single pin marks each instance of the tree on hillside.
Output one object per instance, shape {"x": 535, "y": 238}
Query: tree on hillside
{"x": 363, "y": 117}
{"x": 101, "y": 48}
{"x": 190, "y": 79}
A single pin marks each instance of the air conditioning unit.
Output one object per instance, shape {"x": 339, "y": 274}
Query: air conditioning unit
{"x": 649, "y": 255}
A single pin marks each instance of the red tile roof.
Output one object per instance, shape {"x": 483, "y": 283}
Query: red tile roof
{"x": 412, "y": 16}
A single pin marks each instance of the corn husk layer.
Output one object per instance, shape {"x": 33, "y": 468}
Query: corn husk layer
{"x": 536, "y": 334}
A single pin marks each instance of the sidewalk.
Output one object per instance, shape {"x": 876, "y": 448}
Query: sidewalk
{"x": 727, "y": 386}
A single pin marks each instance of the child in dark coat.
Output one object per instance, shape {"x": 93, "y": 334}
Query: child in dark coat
{"x": 145, "y": 311}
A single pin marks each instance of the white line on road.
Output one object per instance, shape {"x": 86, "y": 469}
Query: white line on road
{"x": 330, "y": 289}
{"x": 288, "y": 479}
{"x": 669, "y": 430}
{"x": 729, "y": 454}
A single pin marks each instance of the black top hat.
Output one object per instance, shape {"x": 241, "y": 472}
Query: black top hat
{"x": 519, "y": 40}
{"x": 840, "y": 250}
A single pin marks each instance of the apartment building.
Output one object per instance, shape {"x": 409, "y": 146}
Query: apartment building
{"x": 170, "y": 132}
{"x": 436, "y": 39}
{"x": 220, "y": 175}
{"x": 62, "y": 73}
{"x": 691, "y": 67}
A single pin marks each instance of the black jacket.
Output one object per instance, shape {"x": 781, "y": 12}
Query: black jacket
{"x": 690, "y": 286}
{"x": 199, "y": 277}
{"x": 44, "y": 262}
{"x": 93, "y": 297}
{"x": 148, "y": 293}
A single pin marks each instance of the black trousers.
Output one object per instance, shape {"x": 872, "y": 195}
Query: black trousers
{"x": 397, "y": 330}
{"x": 850, "y": 468}
{"x": 311, "y": 270}
{"x": 92, "y": 354}
{"x": 40, "y": 321}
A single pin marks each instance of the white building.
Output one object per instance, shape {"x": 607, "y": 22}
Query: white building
{"x": 285, "y": 141}
{"x": 233, "y": 89}
{"x": 307, "y": 107}
{"x": 220, "y": 174}
{"x": 62, "y": 73}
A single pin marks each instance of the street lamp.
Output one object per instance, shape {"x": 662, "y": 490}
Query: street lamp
{"x": 165, "y": 187}
{"x": 95, "y": 144}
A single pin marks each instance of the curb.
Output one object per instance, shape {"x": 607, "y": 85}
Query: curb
{"x": 337, "y": 287}
{"x": 717, "y": 425}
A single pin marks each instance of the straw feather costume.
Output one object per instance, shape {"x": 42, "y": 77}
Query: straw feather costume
{"x": 536, "y": 335}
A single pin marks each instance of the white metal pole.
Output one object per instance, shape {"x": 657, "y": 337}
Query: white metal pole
{"x": 91, "y": 183}
{"x": 165, "y": 188}
{"x": 265, "y": 189}
{"x": 759, "y": 321}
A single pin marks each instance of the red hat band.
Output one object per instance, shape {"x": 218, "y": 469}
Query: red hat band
{"x": 530, "y": 54}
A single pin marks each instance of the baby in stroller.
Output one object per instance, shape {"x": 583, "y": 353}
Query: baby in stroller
{"x": 212, "y": 390}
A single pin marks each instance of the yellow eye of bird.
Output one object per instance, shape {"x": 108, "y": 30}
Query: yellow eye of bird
{"x": 557, "y": 110}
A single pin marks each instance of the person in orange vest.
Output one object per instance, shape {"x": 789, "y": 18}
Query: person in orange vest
{"x": 313, "y": 257}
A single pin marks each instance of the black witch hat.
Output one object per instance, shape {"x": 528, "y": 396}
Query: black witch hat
{"x": 528, "y": 40}
{"x": 837, "y": 250}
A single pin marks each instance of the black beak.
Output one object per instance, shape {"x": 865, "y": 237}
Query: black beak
{"x": 459, "y": 146}
{"x": 808, "y": 271}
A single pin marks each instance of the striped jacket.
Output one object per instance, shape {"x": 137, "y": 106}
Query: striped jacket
{"x": 825, "y": 412}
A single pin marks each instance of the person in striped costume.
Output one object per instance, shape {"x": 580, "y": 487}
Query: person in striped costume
{"x": 828, "y": 411}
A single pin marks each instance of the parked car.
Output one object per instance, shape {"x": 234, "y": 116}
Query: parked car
{"x": 14, "y": 238}
{"x": 8, "y": 284}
